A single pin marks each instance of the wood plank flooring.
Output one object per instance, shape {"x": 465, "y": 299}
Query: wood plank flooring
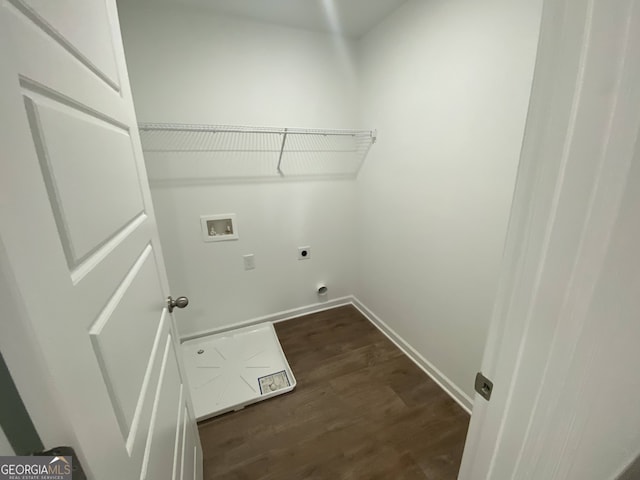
{"x": 361, "y": 410}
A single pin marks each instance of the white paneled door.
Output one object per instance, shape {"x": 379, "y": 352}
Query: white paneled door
{"x": 79, "y": 240}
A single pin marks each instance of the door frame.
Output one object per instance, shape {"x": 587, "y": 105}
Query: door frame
{"x": 557, "y": 100}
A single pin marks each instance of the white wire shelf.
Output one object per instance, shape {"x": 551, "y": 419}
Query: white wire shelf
{"x": 228, "y": 151}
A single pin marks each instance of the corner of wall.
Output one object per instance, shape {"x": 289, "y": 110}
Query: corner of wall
{"x": 436, "y": 375}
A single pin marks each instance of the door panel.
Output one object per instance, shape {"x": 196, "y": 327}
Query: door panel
{"x": 160, "y": 450}
{"x": 136, "y": 440}
{"x": 179, "y": 450}
{"x": 124, "y": 357}
{"x": 81, "y": 175}
{"x": 190, "y": 453}
{"x": 83, "y": 247}
{"x": 82, "y": 27}
{"x": 74, "y": 82}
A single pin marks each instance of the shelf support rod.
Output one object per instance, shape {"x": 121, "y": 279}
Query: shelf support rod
{"x": 284, "y": 140}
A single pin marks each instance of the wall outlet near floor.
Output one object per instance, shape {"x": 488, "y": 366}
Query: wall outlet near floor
{"x": 304, "y": 253}
{"x": 249, "y": 261}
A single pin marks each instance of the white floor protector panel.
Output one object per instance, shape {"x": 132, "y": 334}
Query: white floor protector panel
{"x": 230, "y": 370}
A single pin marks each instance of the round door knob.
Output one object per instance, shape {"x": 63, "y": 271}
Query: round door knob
{"x": 179, "y": 302}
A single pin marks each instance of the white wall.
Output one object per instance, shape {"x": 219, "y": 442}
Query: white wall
{"x": 191, "y": 66}
{"x": 447, "y": 85}
{"x": 418, "y": 238}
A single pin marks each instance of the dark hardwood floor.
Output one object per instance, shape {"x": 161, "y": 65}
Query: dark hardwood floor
{"x": 361, "y": 410}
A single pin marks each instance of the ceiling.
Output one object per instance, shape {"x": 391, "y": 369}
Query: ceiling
{"x": 352, "y": 18}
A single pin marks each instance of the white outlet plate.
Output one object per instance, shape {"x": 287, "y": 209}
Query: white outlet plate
{"x": 249, "y": 261}
{"x": 304, "y": 253}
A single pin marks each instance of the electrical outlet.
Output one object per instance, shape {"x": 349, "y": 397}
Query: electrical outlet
{"x": 304, "y": 253}
{"x": 249, "y": 261}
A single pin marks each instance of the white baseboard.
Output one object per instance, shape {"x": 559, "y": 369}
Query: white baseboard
{"x": 436, "y": 375}
{"x": 274, "y": 317}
